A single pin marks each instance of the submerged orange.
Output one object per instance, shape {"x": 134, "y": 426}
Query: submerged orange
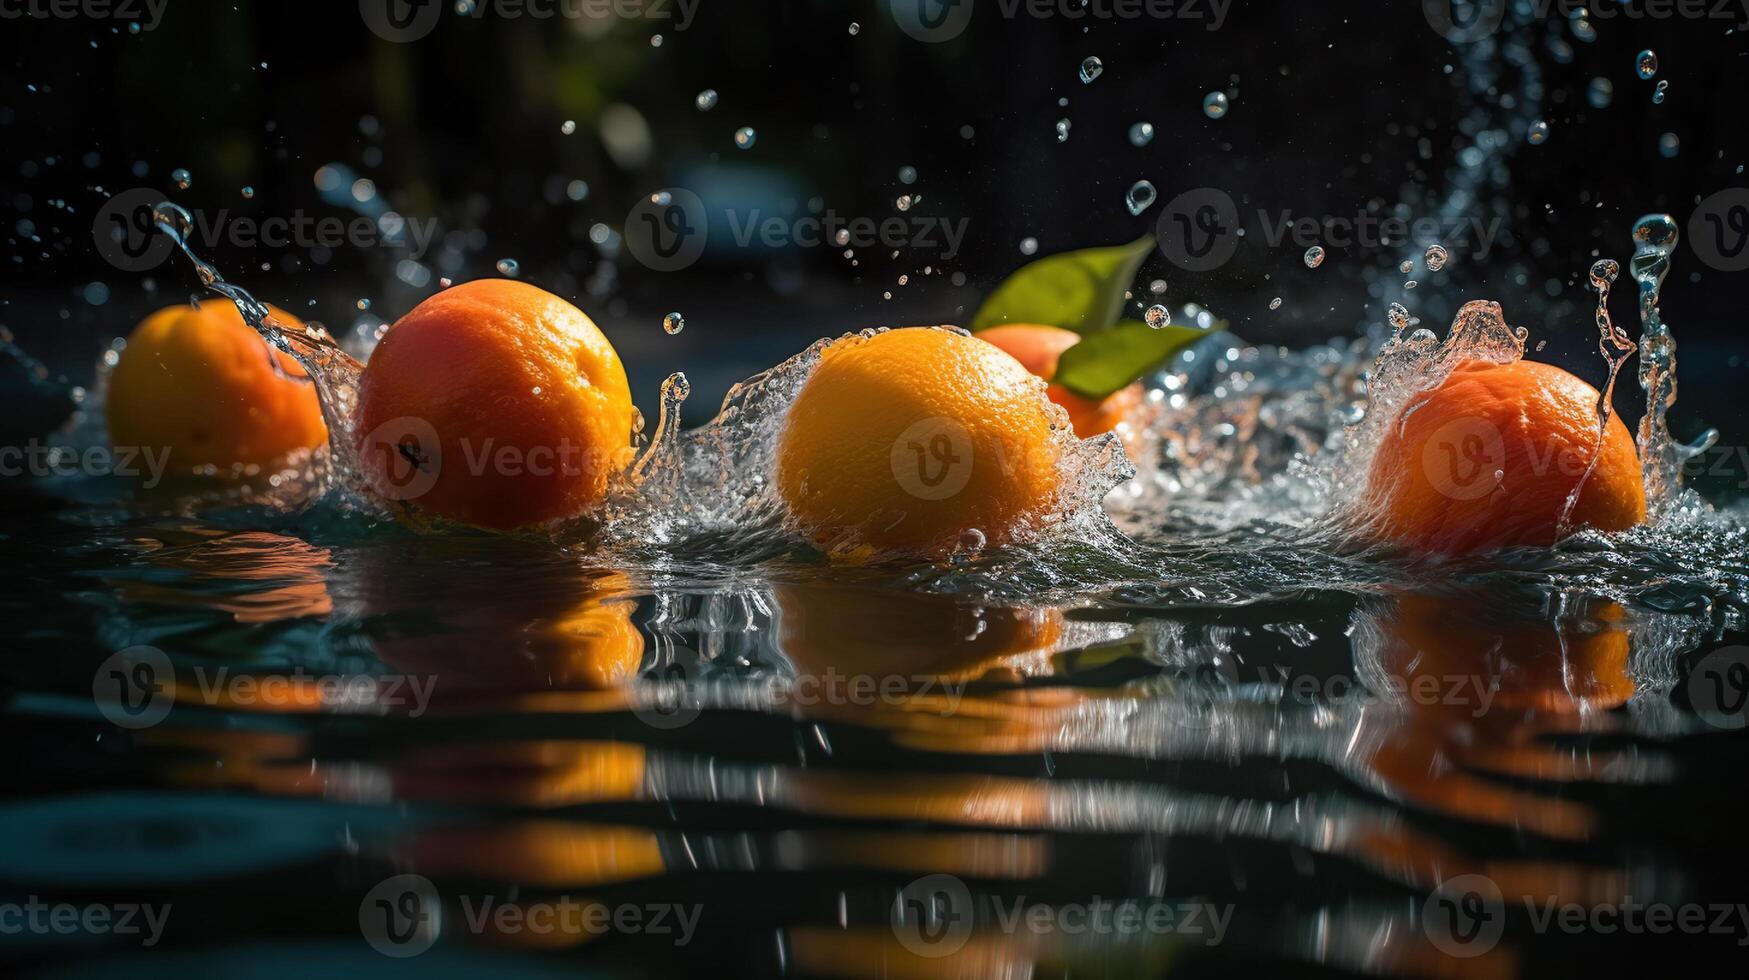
{"x": 199, "y": 382}
{"x": 494, "y": 403}
{"x": 1038, "y": 348}
{"x": 1489, "y": 458}
{"x": 909, "y": 439}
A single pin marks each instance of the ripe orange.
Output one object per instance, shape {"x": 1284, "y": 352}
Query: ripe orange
{"x": 908, "y": 439}
{"x": 1488, "y": 459}
{"x": 199, "y": 382}
{"x": 494, "y": 403}
{"x": 1038, "y": 349}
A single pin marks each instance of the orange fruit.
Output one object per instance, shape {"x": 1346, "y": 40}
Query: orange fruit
{"x": 199, "y": 382}
{"x": 1038, "y": 349}
{"x": 907, "y": 439}
{"x": 1488, "y": 459}
{"x": 494, "y": 403}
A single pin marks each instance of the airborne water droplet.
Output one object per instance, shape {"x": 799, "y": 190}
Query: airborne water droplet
{"x": 1646, "y": 64}
{"x": 1062, "y": 130}
{"x": 1406, "y": 266}
{"x": 673, "y": 323}
{"x": 1028, "y": 246}
{"x": 1141, "y": 134}
{"x": 1091, "y": 68}
{"x": 1539, "y": 133}
{"x": 1141, "y": 194}
{"x": 1398, "y": 317}
{"x": 1601, "y": 93}
{"x": 1275, "y": 304}
{"x": 1658, "y": 93}
{"x": 181, "y": 178}
{"x": 706, "y": 100}
{"x": 745, "y": 137}
{"x": 1214, "y": 105}
{"x": 1314, "y": 256}
{"x": 907, "y": 175}
{"x": 509, "y": 267}
{"x": 1669, "y": 145}
{"x": 1436, "y": 257}
{"x": 1157, "y": 317}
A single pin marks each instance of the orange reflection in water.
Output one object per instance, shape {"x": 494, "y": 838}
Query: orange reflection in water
{"x": 253, "y": 576}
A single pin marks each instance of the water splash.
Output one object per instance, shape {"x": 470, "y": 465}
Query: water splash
{"x": 1661, "y": 457}
{"x": 1603, "y": 276}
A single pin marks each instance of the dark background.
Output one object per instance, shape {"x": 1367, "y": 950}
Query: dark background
{"x": 1337, "y": 107}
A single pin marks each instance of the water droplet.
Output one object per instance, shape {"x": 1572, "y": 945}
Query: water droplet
{"x": 1603, "y": 272}
{"x": 1062, "y": 130}
{"x": 1406, "y": 266}
{"x": 1601, "y": 93}
{"x": 1646, "y": 64}
{"x": 1157, "y": 287}
{"x": 842, "y": 236}
{"x": 1028, "y": 246}
{"x": 568, "y": 127}
{"x": 971, "y": 542}
{"x": 1436, "y": 257}
{"x": 907, "y": 175}
{"x": 1658, "y": 93}
{"x": 1411, "y": 284}
{"x": 1669, "y": 145}
{"x": 706, "y": 100}
{"x": 1314, "y": 256}
{"x": 509, "y": 267}
{"x": 745, "y": 137}
{"x": 904, "y": 202}
{"x": 1398, "y": 317}
{"x": 1091, "y": 68}
{"x": 1157, "y": 317}
{"x": 1141, "y": 194}
{"x": 248, "y": 193}
{"x": 1580, "y": 20}
{"x": 1214, "y": 105}
{"x": 855, "y": 28}
{"x": 673, "y": 323}
{"x": 181, "y": 178}
{"x": 1539, "y": 133}
{"x": 364, "y": 304}
{"x": 1141, "y": 134}
{"x": 1275, "y": 304}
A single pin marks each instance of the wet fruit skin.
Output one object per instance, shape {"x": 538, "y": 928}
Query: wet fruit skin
{"x": 201, "y": 383}
{"x": 1488, "y": 460}
{"x": 905, "y": 440}
{"x": 1038, "y": 348}
{"x": 526, "y": 400}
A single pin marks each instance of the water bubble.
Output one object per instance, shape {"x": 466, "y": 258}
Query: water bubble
{"x": 181, "y": 178}
{"x": 1157, "y": 287}
{"x": 745, "y": 137}
{"x": 1406, "y": 266}
{"x": 1091, "y": 68}
{"x": 1411, "y": 284}
{"x": 1398, "y": 317}
{"x": 1436, "y": 257}
{"x": 1141, "y": 134}
{"x": 568, "y": 127}
{"x": 1214, "y": 105}
{"x": 1658, "y": 93}
{"x": 1062, "y": 130}
{"x": 1601, "y": 93}
{"x": 1581, "y": 23}
{"x": 509, "y": 267}
{"x": 706, "y": 100}
{"x": 842, "y": 236}
{"x": 1603, "y": 272}
{"x": 248, "y": 193}
{"x": 904, "y": 202}
{"x": 1539, "y": 133}
{"x": 907, "y": 175}
{"x": 1314, "y": 256}
{"x": 363, "y": 304}
{"x": 1669, "y": 145}
{"x": 1157, "y": 317}
{"x": 1028, "y": 246}
{"x": 1141, "y": 194}
{"x": 673, "y": 323}
{"x": 1275, "y": 304}
{"x": 855, "y": 28}
{"x": 1646, "y": 64}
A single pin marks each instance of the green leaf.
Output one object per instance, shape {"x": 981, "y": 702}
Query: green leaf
{"x": 1106, "y": 361}
{"x": 1081, "y": 291}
